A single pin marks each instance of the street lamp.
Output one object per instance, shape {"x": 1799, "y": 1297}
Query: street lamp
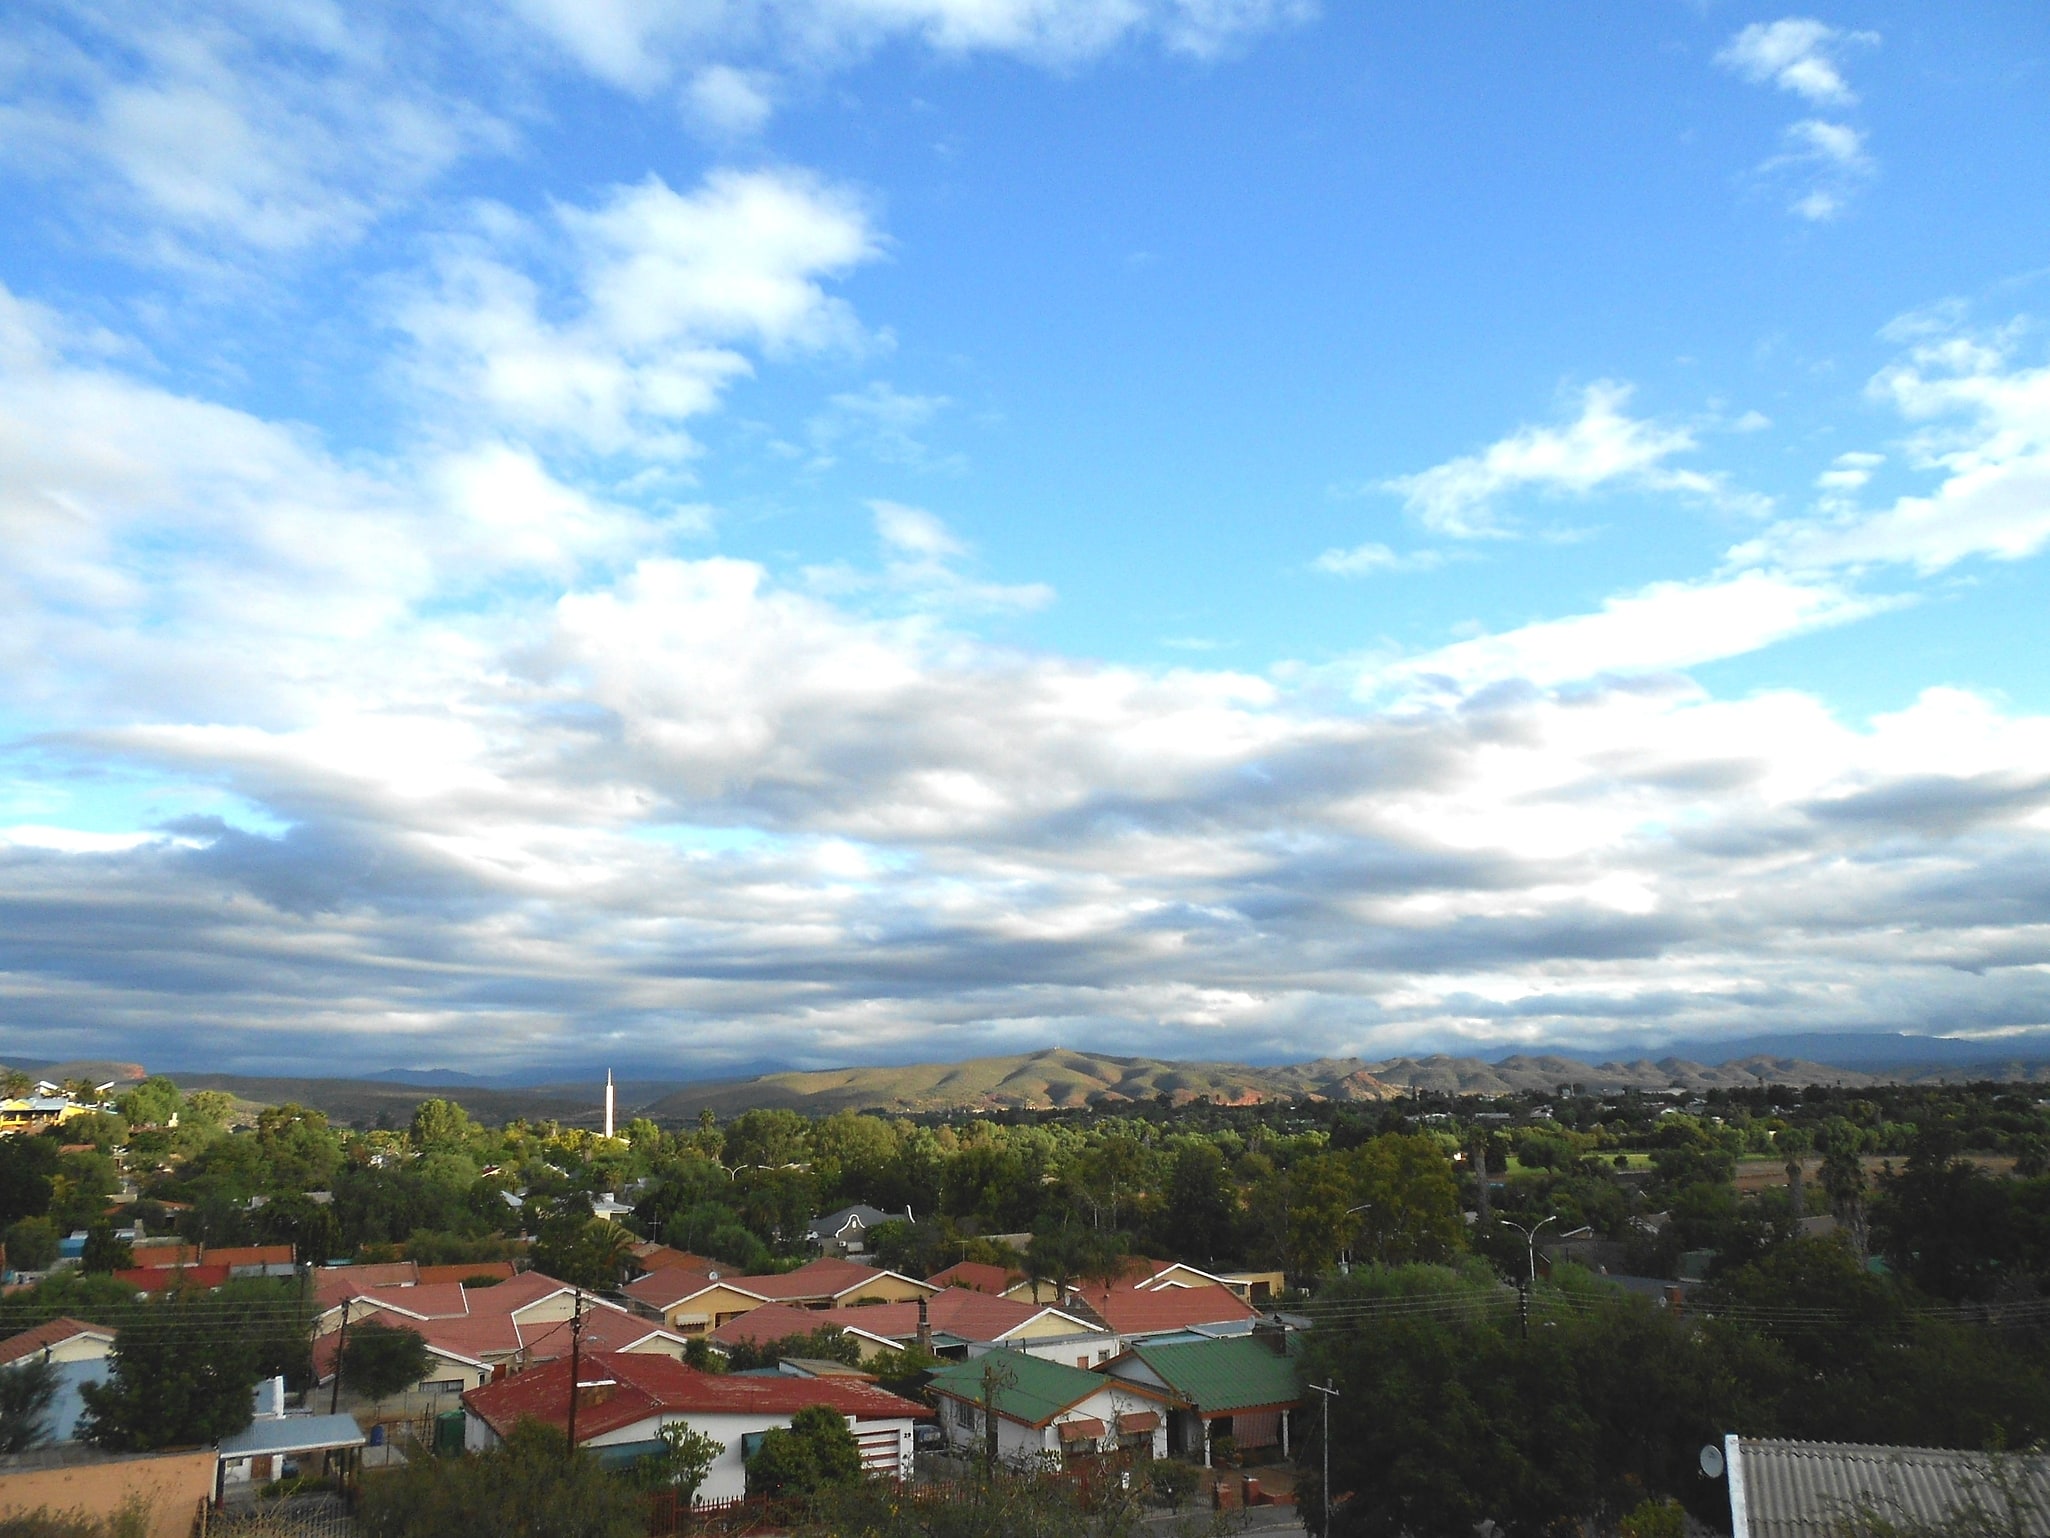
{"x": 1362, "y": 1207}
{"x": 1530, "y": 1239}
{"x": 1530, "y": 1280}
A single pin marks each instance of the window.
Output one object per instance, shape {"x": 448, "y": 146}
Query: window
{"x": 964, "y": 1414}
{"x": 750, "y": 1444}
{"x": 443, "y": 1386}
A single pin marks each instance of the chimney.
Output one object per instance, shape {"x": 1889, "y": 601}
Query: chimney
{"x": 1273, "y": 1335}
{"x": 924, "y": 1327}
{"x": 595, "y": 1391}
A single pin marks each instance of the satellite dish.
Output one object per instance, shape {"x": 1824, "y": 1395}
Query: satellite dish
{"x": 711, "y": 1276}
{"x": 1712, "y": 1461}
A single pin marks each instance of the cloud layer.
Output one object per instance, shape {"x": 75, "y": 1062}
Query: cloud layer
{"x": 681, "y": 810}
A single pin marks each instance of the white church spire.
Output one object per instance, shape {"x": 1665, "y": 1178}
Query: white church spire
{"x": 608, "y": 1102}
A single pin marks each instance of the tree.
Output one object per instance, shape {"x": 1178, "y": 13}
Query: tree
{"x": 27, "y": 1390}
{"x": 817, "y": 1450}
{"x": 531, "y": 1484}
{"x": 181, "y": 1374}
{"x": 105, "y": 1251}
{"x": 379, "y": 1360}
{"x": 1202, "y": 1202}
{"x": 444, "y": 1125}
{"x": 32, "y": 1245}
{"x": 685, "y": 1461}
{"x": 28, "y": 1167}
{"x": 152, "y": 1103}
{"x": 584, "y": 1251}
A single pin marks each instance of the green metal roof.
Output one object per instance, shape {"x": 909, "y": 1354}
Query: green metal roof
{"x": 1034, "y": 1391}
{"x": 1238, "y": 1372}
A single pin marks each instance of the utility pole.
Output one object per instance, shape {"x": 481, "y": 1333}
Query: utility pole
{"x": 576, "y": 1363}
{"x": 1329, "y": 1394}
{"x": 341, "y": 1349}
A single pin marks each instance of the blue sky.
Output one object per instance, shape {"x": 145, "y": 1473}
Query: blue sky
{"x": 703, "y": 534}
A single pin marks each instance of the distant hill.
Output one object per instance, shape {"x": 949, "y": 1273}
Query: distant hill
{"x": 1065, "y": 1078}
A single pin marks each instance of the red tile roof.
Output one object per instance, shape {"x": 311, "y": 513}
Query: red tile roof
{"x": 662, "y": 1289}
{"x": 636, "y": 1387}
{"x": 954, "y": 1311}
{"x": 825, "y": 1278}
{"x": 1131, "y": 1312}
{"x": 977, "y": 1275}
{"x": 50, "y": 1332}
{"x": 660, "y": 1257}
{"x": 331, "y": 1284}
{"x": 777, "y": 1321}
{"x": 480, "y": 1324}
{"x": 157, "y": 1255}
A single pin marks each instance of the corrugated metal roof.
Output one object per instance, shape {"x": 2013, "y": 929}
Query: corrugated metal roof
{"x": 293, "y": 1434}
{"x": 1036, "y": 1390}
{"x": 1219, "y": 1376}
{"x": 1808, "y": 1489}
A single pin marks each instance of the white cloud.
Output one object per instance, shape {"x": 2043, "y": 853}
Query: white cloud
{"x": 1663, "y": 627}
{"x": 1984, "y": 429}
{"x": 701, "y": 811}
{"x": 1367, "y": 559}
{"x": 271, "y": 129}
{"x": 1600, "y": 448}
{"x": 1826, "y": 162}
{"x": 1821, "y": 162}
{"x": 663, "y": 289}
{"x": 733, "y": 103}
{"x": 1797, "y": 54}
{"x": 637, "y": 47}
{"x": 883, "y": 422}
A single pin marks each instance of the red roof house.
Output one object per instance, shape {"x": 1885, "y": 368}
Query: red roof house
{"x": 624, "y": 1399}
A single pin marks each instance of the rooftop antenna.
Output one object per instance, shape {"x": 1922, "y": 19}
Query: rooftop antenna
{"x": 608, "y": 1102}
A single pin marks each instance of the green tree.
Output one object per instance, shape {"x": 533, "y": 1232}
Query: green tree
{"x": 152, "y": 1103}
{"x": 685, "y": 1461}
{"x": 531, "y": 1485}
{"x": 181, "y": 1373}
{"x": 1202, "y": 1202}
{"x": 28, "y": 1168}
{"x": 105, "y": 1251}
{"x": 443, "y": 1125}
{"x": 27, "y": 1390}
{"x": 32, "y": 1244}
{"x": 816, "y": 1451}
{"x": 772, "y": 1138}
{"x": 584, "y": 1251}
{"x": 379, "y": 1360}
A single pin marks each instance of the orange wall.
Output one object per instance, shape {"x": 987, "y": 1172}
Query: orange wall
{"x": 173, "y": 1483}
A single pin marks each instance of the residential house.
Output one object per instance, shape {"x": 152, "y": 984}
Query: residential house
{"x": 1784, "y": 1489}
{"x": 1044, "y": 1409}
{"x": 976, "y": 1276}
{"x": 77, "y": 1351}
{"x": 46, "y": 1105}
{"x": 650, "y": 1256}
{"x": 624, "y": 1400}
{"x": 1242, "y": 1386}
{"x": 1133, "y": 1315}
{"x": 696, "y": 1305}
{"x": 474, "y": 1333}
{"x": 956, "y": 1322}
